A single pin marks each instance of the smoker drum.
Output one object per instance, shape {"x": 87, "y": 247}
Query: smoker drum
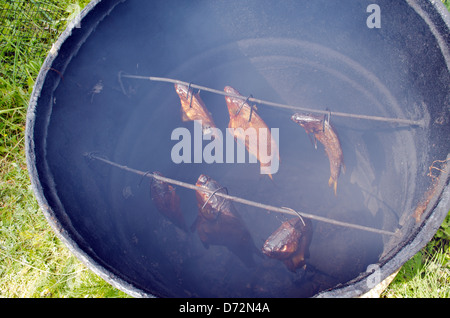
{"x": 316, "y": 54}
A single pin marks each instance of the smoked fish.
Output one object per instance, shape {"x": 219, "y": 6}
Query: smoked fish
{"x": 218, "y": 222}
{"x": 324, "y": 132}
{"x": 167, "y": 201}
{"x": 290, "y": 243}
{"x": 242, "y": 116}
{"x": 193, "y": 108}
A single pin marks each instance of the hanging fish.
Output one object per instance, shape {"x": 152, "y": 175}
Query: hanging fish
{"x": 193, "y": 108}
{"x": 243, "y": 116}
{"x": 167, "y": 201}
{"x": 290, "y": 243}
{"x": 323, "y": 131}
{"x": 218, "y": 222}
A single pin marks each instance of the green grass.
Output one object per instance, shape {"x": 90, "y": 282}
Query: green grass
{"x": 447, "y": 4}
{"x": 33, "y": 261}
{"x": 427, "y": 274}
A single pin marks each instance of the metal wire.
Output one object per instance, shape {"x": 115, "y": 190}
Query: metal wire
{"x": 284, "y": 210}
{"x": 420, "y": 123}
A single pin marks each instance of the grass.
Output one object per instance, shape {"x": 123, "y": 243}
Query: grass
{"x": 33, "y": 261}
{"x": 426, "y": 274}
{"x": 447, "y": 4}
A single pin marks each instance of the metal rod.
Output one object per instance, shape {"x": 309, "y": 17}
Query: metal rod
{"x": 241, "y": 200}
{"x": 411, "y": 122}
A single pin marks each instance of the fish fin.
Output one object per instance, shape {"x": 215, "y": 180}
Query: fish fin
{"x": 298, "y": 261}
{"x": 273, "y": 181}
{"x": 313, "y": 140}
{"x": 184, "y": 117}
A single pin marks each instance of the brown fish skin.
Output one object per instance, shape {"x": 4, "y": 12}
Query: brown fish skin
{"x": 193, "y": 108}
{"x": 290, "y": 243}
{"x": 324, "y": 132}
{"x": 167, "y": 201}
{"x": 240, "y": 120}
{"x": 218, "y": 223}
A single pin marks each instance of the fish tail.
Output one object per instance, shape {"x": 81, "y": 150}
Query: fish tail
{"x": 332, "y": 182}
{"x": 184, "y": 117}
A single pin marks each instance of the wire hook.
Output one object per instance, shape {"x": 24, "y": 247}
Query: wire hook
{"x": 245, "y": 101}
{"x": 251, "y": 111}
{"x": 298, "y": 214}
{"x": 212, "y": 194}
{"x": 143, "y": 176}
{"x": 192, "y": 94}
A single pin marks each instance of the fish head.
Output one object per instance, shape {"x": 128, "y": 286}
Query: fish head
{"x": 283, "y": 243}
{"x": 163, "y": 194}
{"x": 307, "y": 121}
{"x": 182, "y": 90}
{"x": 203, "y": 181}
{"x": 159, "y": 187}
{"x": 233, "y": 103}
{"x": 209, "y": 205}
{"x": 160, "y": 190}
